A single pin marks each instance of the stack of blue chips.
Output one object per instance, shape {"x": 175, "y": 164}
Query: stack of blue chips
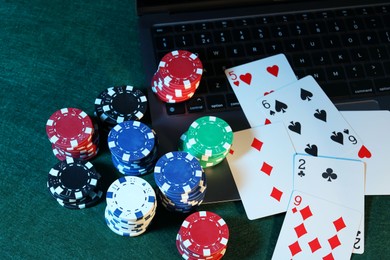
{"x": 133, "y": 147}
{"x": 181, "y": 181}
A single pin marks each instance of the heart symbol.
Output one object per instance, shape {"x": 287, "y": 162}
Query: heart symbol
{"x": 237, "y": 83}
{"x": 273, "y": 70}
{"x": 247, "y": 78}
{"x": 267, "y": 121}
{"x": 364, "y": 152}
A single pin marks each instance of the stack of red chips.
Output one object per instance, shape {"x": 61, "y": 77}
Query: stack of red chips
{"x": 203, "y": 235}
{"x": 178, "y": 76}
{"x": 72, "y": 134}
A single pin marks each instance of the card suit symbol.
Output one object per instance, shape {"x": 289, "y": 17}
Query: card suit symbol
{"x": 346, "y": 131}
{"x": 320, "y": 114}
{"x": 272, "y": 112}
{"x": 314, "y": 245}
{"x": 329, "y": 174}
{"x": 266, "y": 168}
{"x": 257, "y": 144}
{"x": 280, "y": 106}
{"x": 328, "y": 257}
{"x": 247, "y": 78}
{"x": 231, "y": 151}
{"x": 364, "y": 152}
{"x": 334, "y": 242}
{"x": 301, "y": 173}
{"x": 294, "y": 248}
{"x": 273, "y": 70}
{"x": 276, "y": 194}
{"x": 237, "y": 83}
{"x": 267, "y": 121}
{"x": 306, "y": 95}
{"x": 337, "y": 137}
{"x": 295, "y": 127}
{"x": 300, "y": 230}
{"x": 311, "y": 149}
{"x": 339, "y": 224}
{"x": 268, "y": 92}
{"x": 306, "y": 212}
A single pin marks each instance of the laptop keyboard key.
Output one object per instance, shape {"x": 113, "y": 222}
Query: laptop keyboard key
{"x": 232, "y": 101}
{"x": 374, "y": 69}
{"x": 362, "y": 87}
{"x": 184, "y": 40}
{"x": 335, "y": 73}
{"x": 222, "y": 37}
{"x": 216, "y": 102}
{"x": 217, "y": 84}
{"x": 164, "y": 43}
{"x": 204, "y": 38}
{"x": 175, "y": 108}
{"x": 196, "y": 105}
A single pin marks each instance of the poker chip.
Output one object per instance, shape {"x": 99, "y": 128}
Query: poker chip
{"x": 72, "y": 133}
{"x": 131, "y": 206}
{"x": 74, "y": 184}
{"x": 209, "y": 139}
{"x": 133, "y": 146}
{"x": 120, "y": 103}
{"x": 181, "y": 181}
{"x": 202, "y": 235}
{"x": 177, "y": 77}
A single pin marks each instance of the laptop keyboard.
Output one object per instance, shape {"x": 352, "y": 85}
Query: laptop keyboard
{"x": 346, "y": 50}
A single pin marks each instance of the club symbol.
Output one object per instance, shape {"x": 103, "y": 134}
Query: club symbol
{"x": 301, "y": 174}
{"x": 329, "y": 174}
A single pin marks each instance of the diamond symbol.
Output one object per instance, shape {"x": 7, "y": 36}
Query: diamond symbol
{"x": 334, "y": 241}
{"x": 314, "y": 245}
{"x": 266, "y": 168}
{"x": 300, "y": 230}
{"x": 257, "y": 144}
{"x": 306, "y": 212}
{"x": 328, "y": 257}
{"x": 276, "y": 194}
{"x": 339, "y": 224}
{"x": 294, "y": 248}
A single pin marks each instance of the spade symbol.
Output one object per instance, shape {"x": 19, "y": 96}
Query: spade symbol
{"x": 346, "y": 131}
{"x": 311, "y": 149}
{"x": 295, "y": 127}
{"x": 320, "y": 114}
{"x": 280, "y": 106}
{"x": 306, "y": 95}
{"x": 338, "y": 137}
{"x": 329, "y": 174}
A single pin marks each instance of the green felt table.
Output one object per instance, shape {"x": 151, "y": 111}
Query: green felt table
{"x": 56, "y": 54}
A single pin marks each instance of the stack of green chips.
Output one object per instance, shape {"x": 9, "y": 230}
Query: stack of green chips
{"x": 209, "y": 139}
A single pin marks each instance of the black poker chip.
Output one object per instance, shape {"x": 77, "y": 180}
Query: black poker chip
{"x": 120, "y": 103}
{"x": 74, "y": 183}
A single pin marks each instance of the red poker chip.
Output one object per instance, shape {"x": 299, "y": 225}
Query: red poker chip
{"x": 204, "y": 233}
{"x": 180, "y": 68}
{"x": 170, "y": 95}
{"x": 72, "y": 134}
{"x": 69, "y": 127}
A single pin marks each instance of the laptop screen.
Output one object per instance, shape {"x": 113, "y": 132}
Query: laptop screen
{"x": 153, "y": 6}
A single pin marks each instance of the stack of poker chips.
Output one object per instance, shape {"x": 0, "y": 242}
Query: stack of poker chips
{"x": 131, "y": 206}
{"x": 118, "y": 104}
{"x": 74, "y": 184}
{"x": 209, "y": 139}
{"x": 177, "y": 77}
{"x": 181, "y": 181}
{"x": 72, "y": 134}
{"x": 203, "y": 235}
{"x": 133, "y": 147}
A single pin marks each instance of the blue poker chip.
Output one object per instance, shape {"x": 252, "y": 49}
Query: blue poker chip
{"x": 131, "y": 141}
{"x": 177, "y": 172}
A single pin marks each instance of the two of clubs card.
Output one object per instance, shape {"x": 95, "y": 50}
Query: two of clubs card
{"x": 300, "y": 146}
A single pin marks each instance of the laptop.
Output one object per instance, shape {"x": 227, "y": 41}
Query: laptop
{"x": 344, "y": 45}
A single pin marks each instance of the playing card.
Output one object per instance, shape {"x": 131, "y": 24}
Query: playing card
{"x": 373, "y": 128}
{"x": 314, "y": 124}
{"x": 255, "y": 79}
{"x": 315, "y": 228}
{"x": 337, "y": 180}
{"x": 260, "y": 161}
